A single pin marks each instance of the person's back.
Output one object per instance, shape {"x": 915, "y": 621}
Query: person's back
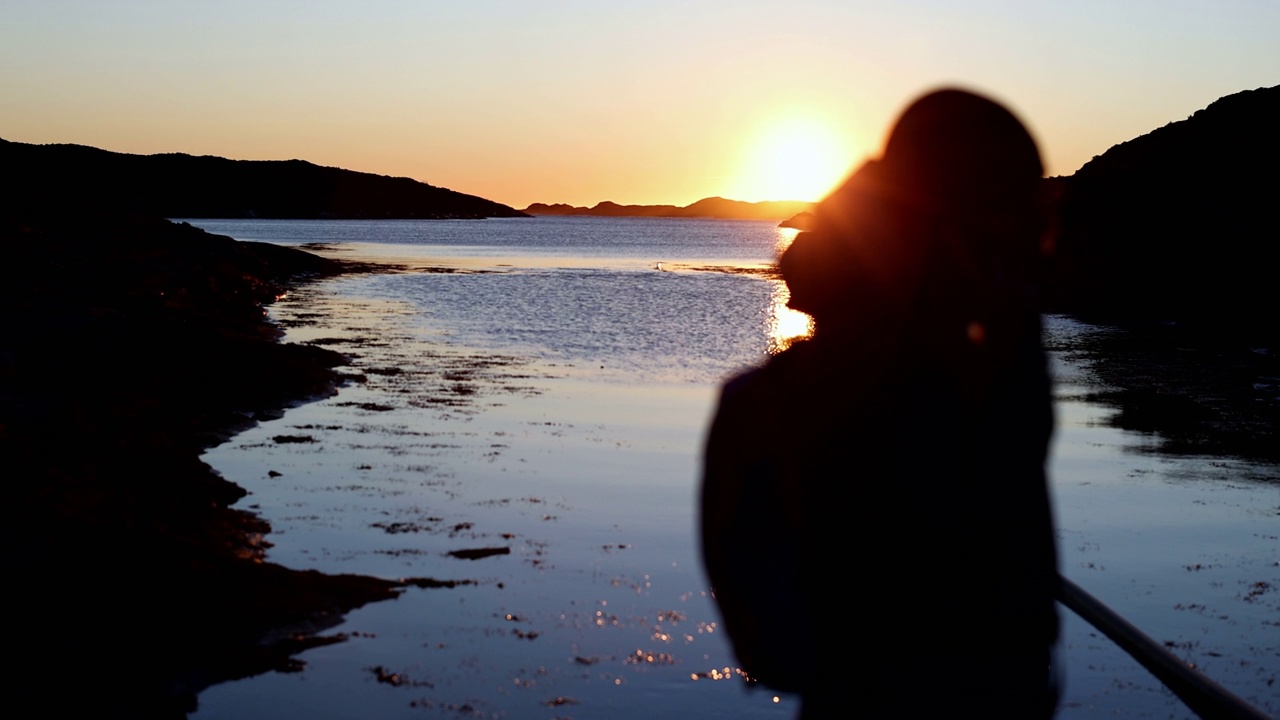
{"x": 875, "y": 518}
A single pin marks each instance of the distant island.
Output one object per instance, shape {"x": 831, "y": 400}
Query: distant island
{"x": 713, "y": 207}
{"x": 175, "y": 185}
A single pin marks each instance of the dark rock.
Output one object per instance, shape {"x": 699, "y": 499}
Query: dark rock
{"x": 127, "y": 345}
{"x": 478, "y": 553}
{"x": 1179, "y": 224}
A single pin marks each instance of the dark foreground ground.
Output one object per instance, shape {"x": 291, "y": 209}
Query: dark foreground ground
{"x": 127, "y": 346}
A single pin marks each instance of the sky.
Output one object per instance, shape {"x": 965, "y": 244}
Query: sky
{"x": 576, "y": 101}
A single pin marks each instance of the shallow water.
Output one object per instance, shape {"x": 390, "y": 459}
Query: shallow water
{"x": 587, "y": 481}
{"x": 1185, "y": 547}
{"x": 555, "y": 405}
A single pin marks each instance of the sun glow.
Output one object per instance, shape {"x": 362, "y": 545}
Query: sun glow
{"x": 793, "y": 157}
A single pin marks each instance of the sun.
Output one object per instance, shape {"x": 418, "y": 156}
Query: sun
{"x": 793, "y": 157}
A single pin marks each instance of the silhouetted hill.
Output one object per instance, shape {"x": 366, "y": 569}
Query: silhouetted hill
{"x": 713, "y": 207}
{"x": 1180, "y": 223}
{"x": 185, "y": 186}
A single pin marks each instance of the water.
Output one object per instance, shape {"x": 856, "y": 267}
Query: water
{"x": 612, "y": 240}
{"x": 540, "y": 386}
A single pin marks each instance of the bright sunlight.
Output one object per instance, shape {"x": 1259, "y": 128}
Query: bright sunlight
{"x": 793, "y": 157}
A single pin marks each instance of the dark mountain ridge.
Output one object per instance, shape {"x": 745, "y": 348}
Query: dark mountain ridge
{"x": 187, "y": 186}
{"x": 712, "y": 207}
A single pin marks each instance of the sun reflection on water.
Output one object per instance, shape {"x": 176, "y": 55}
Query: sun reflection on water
{"x": 785, "y": 325}
{"x": 783, "y": 239}
{"x": 725, "y": 673}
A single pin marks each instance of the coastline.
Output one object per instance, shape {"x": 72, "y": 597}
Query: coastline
{"x": 588, "y": 551}
{"x": 394, "y": 482}
{"x": 130, "y": 345}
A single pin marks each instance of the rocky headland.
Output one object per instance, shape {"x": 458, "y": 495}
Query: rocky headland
{"x": 1179, "y": 224}
{"x": 1170, "y": 238}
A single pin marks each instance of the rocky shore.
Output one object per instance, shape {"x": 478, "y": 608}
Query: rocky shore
{"x": 127, "y": 346}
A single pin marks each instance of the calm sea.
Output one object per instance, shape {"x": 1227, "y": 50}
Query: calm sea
{"x": 540, "y": 387}
{"x": 622, "y": 293}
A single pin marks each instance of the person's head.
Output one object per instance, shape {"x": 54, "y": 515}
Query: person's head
{"x": 953, "y": 201}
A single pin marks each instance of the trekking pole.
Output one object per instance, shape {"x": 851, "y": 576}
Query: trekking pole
{"x": 1205, "y": 697}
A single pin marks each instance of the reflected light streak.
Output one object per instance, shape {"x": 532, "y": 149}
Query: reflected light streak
{"x": 785, "y": 325}
{"x": 785, "y": 237}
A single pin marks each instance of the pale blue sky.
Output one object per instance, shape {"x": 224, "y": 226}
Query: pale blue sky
{"x": 637, "y": 102}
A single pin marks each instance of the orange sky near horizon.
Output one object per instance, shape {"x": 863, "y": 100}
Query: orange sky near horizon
{"x": 658, "y": 102}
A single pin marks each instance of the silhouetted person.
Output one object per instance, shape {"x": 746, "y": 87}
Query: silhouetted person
{"x": 875, "y": 520}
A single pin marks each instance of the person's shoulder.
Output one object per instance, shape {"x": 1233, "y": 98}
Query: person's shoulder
{"x": 767, "y": 377}
{"x": 740, "y": 383}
